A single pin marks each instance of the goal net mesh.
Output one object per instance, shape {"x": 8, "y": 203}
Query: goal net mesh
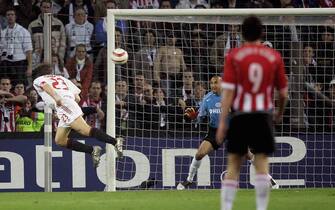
{"x": 171, "y": 60}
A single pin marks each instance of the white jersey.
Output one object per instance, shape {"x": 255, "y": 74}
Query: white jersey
{"x": 62, "y": 86}
{"x": 70, "y": 110}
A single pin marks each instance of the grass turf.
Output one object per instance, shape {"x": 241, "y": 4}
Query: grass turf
{"x": 293, "y": 199}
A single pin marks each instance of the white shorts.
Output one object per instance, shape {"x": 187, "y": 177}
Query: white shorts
{"x": 68, "y": 113}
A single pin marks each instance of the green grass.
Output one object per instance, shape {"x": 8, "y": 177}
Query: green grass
{"x": 294, "y": 199}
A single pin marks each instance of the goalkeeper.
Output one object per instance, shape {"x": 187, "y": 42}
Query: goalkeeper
{"x": 210, "y": 106}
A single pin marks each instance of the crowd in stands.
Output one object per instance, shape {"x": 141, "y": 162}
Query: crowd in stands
{"x": 169, "y": 67}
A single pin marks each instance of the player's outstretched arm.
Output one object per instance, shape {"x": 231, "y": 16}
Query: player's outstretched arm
{"x": 49, "y": 90}
{"x": 18, "y": 99}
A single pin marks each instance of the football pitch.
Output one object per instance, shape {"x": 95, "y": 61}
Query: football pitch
{"x": 293, "y": 199}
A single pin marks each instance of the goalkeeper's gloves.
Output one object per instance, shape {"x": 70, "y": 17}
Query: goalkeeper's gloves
{"x": 191, "y": 113}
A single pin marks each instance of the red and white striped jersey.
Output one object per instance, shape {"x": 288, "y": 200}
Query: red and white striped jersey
{"x": 92, "y": 119}
{"x": 7, "y": 117}
{"x": 253, "y": 71}
{"x": 62, "y": 86}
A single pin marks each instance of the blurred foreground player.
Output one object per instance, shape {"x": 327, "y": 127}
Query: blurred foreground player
{"x": 250, "y": 74}
{"x": 63, "y": 95}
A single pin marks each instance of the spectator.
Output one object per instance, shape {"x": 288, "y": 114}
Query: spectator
{"x": 138, "y": 89}
{"x": 186, "y": 93}
{"x": 144, "y": 4}
{"x": 159, "y": 119}
{"x": 23, "y": 10}
{"x": 310, "y": 65}
{"x": 218, "y": 52}
{"x": 101, "y": 25}
{"x": 305, "y": 3}
{"x": 58, "y": 33}
{"x": 192, "y": 4}
{"x": 197, "y": 58}
{"x": 258, "y": 4}
{"x": 327, "y": 3}
{"x": 166, "y": 4}
{"x": 123, "y": 103}
{"x": 80, "y": 67}
{"x": 169, "y": 65}
{"x": 66, "y": 14}
{"x": 19, "y": 89}
{"x": 199, "y": 92}
{"x": 325, "y": 56}
{"x": 94, "y": 99}
{"x": 145, "y": 57}
{"x": 28, "y": 119}
{"x": 16, "y": 50}
{"x": 8, "y": 105}
{"x": 57, "y": 67}
{"x": 79, "y": 31}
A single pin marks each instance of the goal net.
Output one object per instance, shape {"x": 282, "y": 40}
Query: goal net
{"x": 172, "y": 56}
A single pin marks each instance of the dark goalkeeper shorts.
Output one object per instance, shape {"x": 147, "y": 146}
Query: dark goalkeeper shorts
{"x": 211, "y": 137}
{"x": 252, "y": 131}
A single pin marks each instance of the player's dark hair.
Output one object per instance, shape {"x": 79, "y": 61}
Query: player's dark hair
{"x": 252, "y": 29}
{"x": 43, "y": 69}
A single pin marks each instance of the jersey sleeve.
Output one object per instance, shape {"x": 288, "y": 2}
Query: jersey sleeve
{"x": 202, "y": 110}
{"x": 73, "y": 88}
{"x": 229, "y": 76}
{"x": 281, "y": 79}
{"x": 38, "y": 82}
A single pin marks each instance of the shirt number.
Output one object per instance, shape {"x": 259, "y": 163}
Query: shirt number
{"x": 255, "y": 72}
{"x": 59, "y": 83}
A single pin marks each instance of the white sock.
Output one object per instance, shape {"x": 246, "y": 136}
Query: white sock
{"x": 228, "y": 192}
{"x": 262, "y": 191}
{"x": 193, "y": 169}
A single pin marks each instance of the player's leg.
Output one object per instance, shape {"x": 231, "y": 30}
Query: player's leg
{"x": 262, "y": 144}
{"x": 237, "y": 148}
{"x": 204, "y": 149}
{"x": 230, "y": 182}
{"x": 62, "y": 140}
{"x": 250, "y": 157}
{"x": 261, "y": 164}
{"x": 83, "y": 128}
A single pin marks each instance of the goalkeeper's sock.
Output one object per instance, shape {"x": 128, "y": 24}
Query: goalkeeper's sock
{"x": 262, "y": 191}
{"x": 101, "y": 136}
{"x": 228, "y": 192}
{"x": 193, "y": 169}
{"x": 78, "y": 146}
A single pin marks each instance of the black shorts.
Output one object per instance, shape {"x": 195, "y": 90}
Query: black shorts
{"x": 211, "y": 137}
{"x": 254, "y": 131}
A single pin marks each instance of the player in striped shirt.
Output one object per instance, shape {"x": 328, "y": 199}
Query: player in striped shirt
{"x": 251, "y": 73}
{"x": 63, "y": 95}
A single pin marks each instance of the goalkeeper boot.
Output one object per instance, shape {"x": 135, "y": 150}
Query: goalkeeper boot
{"x": 96, "y": 156}
{"x": 183, "y": 185}
{"x": 119, "y": 147}
{"x": 274, "y": 184}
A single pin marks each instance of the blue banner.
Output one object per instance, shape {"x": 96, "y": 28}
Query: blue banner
{"x": 300, "y": 161}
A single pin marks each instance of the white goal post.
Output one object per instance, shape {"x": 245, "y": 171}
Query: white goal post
{"x": 176, "y": 15}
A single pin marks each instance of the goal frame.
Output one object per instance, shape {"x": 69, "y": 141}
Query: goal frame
{"x": 114, "y": 14}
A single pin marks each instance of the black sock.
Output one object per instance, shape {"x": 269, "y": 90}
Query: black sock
{"x": 78, "y": 146}
{"x": 101, "y": 136}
